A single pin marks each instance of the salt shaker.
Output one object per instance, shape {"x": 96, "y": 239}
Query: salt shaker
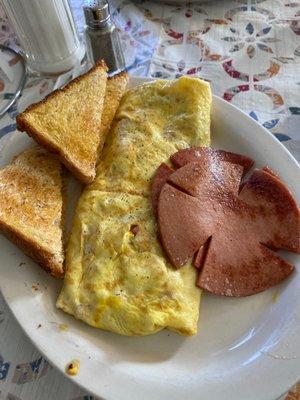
{"x": 101, "y": 36}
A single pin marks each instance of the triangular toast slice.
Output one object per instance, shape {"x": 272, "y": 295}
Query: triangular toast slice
{"x": 32, "y": 207}
{"x": 68, "y": 121}
{"x": 115, "y": 88}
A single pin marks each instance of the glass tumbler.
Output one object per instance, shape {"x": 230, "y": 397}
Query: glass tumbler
{"x": 47, "y": 34}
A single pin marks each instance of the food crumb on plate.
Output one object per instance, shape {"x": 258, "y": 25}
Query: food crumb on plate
{"x": 21, "y": 264}
{"x": 63, "y": 327}
{"x": 72, "y": 368}
{"x": 35, "y": 286}
{"x": 275, "y": 296}
{"x": 39, "y": 326}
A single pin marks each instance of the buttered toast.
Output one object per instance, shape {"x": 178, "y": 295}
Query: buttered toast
{"x": 115, "y": 88}
{"x": 32, "y": 207}
{"x": 68, "y": 122}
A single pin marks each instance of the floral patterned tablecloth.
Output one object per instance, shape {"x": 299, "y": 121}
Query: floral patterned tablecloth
{"x": 250, "y": 52}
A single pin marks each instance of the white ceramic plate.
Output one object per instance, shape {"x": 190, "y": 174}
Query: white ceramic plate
{"x": 246, "y": 348}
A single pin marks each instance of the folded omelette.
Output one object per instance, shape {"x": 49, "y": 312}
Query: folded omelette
{"x": 117, "y": 276}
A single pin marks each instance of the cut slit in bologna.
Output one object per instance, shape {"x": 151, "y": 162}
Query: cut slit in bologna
{"x": 206, "y": 155}
{"x": 202, "y": 202}
{"x": 264, "y": 271}
{"x": 160, "y": 178}
{"x": 201, "y": 254}
{"x": 193, "y": 154}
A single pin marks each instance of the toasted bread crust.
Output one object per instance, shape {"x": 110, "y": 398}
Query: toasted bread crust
{"x": 20, "y": 117}
{"x": 64, "y": 191}
{"x": 64, "y": 159}
{"x": 44, "y": 258}
{"x": 23, "y": 125}
{"x": 115, "y": 88}
{"x": 32, "y": 207}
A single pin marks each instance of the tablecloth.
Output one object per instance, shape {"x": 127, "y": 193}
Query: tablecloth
{"x": 249, "y": 50}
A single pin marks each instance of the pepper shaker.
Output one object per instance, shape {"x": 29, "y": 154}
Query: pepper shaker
{"x": 101, "y": 36}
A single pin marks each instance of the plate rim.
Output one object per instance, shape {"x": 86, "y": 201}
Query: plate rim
{"x": 52, "y": 359}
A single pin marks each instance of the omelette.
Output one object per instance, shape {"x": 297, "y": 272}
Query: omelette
{"x": 117, "y": 276}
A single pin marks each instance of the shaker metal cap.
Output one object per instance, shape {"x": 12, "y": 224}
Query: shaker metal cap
{"x": 95, "y": 12}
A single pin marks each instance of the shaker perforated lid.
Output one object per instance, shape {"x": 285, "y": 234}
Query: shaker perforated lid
{"x": 95, "y": 12}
